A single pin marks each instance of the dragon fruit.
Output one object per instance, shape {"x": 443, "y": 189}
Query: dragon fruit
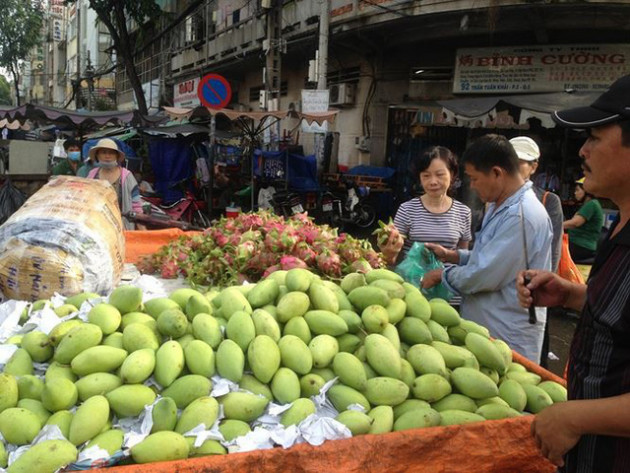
{"x": 290, "y": 262}
{"x": 385, "y": 232}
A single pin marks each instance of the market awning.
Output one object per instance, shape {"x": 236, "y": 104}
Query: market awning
{"x": 14, "y": 125}
{"x": 235, "y": 115}
{"x": 121, "y": 133}
{"x": 73, "y": 118}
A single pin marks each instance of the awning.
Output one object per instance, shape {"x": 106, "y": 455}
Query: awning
{"x": 121, "y": 133}
{"x": 235, "y": 115}
{"x": 14, "y": 125}
{"x": 73, "y": 118}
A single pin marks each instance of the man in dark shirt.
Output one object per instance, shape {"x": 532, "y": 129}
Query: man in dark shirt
{"x": 591, "y": 432}
{"x": 69, "y": 166}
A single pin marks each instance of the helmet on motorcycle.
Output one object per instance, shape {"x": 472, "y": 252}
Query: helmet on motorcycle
{"x": 105, "y": 143}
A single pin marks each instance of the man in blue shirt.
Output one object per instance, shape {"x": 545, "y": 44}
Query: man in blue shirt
{"x": 486, "y": 275}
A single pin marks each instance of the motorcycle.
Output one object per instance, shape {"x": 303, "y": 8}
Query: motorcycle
{"x": 349, "y": 207}
{"x": 286, "y": 203}
{"x": 188, "y": 209}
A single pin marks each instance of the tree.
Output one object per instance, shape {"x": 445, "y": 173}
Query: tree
{"x": 5, "y": 91}
{"x": 20, "y": 31}
{"x": 114, "y": 15}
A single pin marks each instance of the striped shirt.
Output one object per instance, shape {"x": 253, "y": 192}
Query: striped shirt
{"x": 416, "y": 223}
{"x": 599, "y": 363}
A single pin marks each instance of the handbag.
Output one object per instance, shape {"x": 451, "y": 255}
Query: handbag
{"x": 567, "y": 269}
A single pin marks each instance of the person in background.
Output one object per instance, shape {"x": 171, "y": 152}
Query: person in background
{"x": 108, "y": 159}
{"x": 434, "y": 217}
{"x": 591, "y": 432}
{"x": 514, "y": 226}
{"x": 69, "y": 166}
{"x": 528, "y": 154}
{"x": 585, "y": 227}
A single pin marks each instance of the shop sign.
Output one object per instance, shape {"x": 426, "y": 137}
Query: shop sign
{"x": 185, "y": 93}
{"x": 525, "y": 69}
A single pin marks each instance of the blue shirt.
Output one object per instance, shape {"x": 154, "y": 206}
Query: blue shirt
{"x": 486, "y": 275}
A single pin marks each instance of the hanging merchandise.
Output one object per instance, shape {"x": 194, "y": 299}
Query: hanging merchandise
{"x": 11, "y": 199}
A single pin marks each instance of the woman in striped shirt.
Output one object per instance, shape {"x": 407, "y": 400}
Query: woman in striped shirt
{"x": 434, "y": 217}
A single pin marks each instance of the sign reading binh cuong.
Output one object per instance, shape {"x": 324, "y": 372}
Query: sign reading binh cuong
{"x": 549, "y": 68}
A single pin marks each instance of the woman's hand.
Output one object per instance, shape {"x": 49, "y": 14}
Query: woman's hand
{"x": 443, "y": 254}
{"x": 392, "y": 247}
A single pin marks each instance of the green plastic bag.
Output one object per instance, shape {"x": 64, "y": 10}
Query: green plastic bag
{"x": 417, "y": 263}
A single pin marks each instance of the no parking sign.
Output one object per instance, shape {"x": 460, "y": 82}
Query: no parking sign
{"x": 214, "y": 91}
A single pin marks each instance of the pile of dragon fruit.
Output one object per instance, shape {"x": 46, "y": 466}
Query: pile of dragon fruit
{"x": 253, "y": 245}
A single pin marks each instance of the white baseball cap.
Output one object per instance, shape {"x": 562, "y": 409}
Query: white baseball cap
{"x": 525, "y": 148}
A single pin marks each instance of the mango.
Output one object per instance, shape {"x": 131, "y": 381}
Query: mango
{"x": 89, "y": 420}
{"x": 524, "y": 377}
{"x": 265, "y": 324}
{"x": 473, "y": 383}
{"x": 384, "y": 391}
{"x": 169, "y": 363}
{"x": 349, "y": 342}
{"x": 59, "y": 394}
{"x": 496, "y": 412}
{"x": 285, "y": 386}
{"x": 454, "y": 356}
{"x": 4, "y": 456}
{"x": 350, "y": 371}
{"x": 486, "y": 352}
{"x": 114, "y": 340}
{"x": 417, "y": 419}
{"x": 473, "y": 327}
{"x": 251, "y": 384}
{"x": 323, "y": 298}
{"x": 111, "y": 441}
{"x": 513, "y": 393}
{"x": 200, "y": 358}
{"x": 263, "y": 293}
{"x": 443, "y": 313}
{"x": 352, "y": 281}
{"x": 172, "y": 323}
{"x": 455, "y": 401}
{"x": 241, "y": 329}
{"x": 300, "y": 409}
{"x": 230, "y": 360}
{"x": 557, "y": 392}
{"x": 375, "y": 318}
{"x": 342, "y": 299}
{"x": 78, "y": 299}
{"x": 186, "y": 389}
{"x": 390, "y": 332}
{"x": 233, "y": 300}
{"x": 431, "y": 387}
{"x": 19, "y": 364}
{"x": 35, "y": 407}
{"x": 358, "y": 422}
{"x": 311, "y": 384}
{"x": 160, "y": 447}
{"x": 365, "y": 296}
{"x": 137, "y": 336}
{"x": 64, "y": 310}
{"x": 181, "y": 296}
{"x": 126, "y": 298}
{"x": 407, "y": 373}
{"x": 413, "y": 330}
{"x": 243, "y": 406}
{"x": 204, "y": 410}
{"x": 455, "y": 417}
{"x": 410, "y": 405}
{"x": 45, "y": 457}
{"x": 393, "y": 289}
{"x": 76, "y": 340}
{"x": 164, "y": 415}
{"x": 343, "y": 396}
{"x": 417, "y": 306}
{"x": 30, "y": 386}
{"x": 382, "y": 273}
{"x": 129, "y": 400}
{"x": 263, "y": 356}
{"x": 492, "y": 400}
{"x": 297, "y": 326}
{"x": 438, "y": 332}
{"x": 138, "y": 366}
{"x": 323, "y": 350}
{"x": 295, "y": 354}
{"x": 537, "y": 398}
{"x": 197, "y": 304}
{"x": 156, "y": 306}
{"x": 96, "y": 384}
{"x": 106, "y": 316}
{"x": 382, "y": 420}
{"x": 207, "y": 328}
{"x": 298, "y": 279}
{"x": 208, "y": 447}
{"x": 61, "y": 419}
{"x": 293, "y": 304}
{"x": 382, "y": 356}
{"x": 38, "y": 346}
{"x": 19, "y": 426}
{"x": 61, "y": 330}
{"x": 98, "y": 359}
{"x": 426, "y": 359}
{"x": 233, "y": 428}
{"x": 325, "y": 322}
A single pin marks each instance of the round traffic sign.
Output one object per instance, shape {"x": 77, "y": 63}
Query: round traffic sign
{"x": 214, "y": 91}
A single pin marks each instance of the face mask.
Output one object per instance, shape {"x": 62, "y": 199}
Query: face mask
{"x": 107, "y": 165}
{"x": 74, "y": 155}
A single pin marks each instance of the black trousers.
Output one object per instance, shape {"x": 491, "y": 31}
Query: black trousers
{"x": 579, "y": 253}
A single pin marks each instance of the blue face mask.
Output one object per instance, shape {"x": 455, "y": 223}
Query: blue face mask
{"x": 74, "y": 155}
{"x": 107, "y": 165}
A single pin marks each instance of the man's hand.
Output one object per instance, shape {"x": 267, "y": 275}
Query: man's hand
{"x": 443, "y": 254}
{"x": 554, "y": 432}
{"x": 545, "y": 289}
{"x": 432, "y": 278}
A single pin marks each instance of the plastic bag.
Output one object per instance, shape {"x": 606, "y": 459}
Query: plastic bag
{"x": 420, "y": 260}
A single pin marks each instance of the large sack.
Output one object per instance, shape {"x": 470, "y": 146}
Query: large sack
{"x": 66, "y": 238}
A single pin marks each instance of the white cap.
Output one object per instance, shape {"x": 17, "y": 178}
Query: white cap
{"x": 525, "y": 148}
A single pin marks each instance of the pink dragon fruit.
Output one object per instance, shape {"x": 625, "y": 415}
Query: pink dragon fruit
{"x": 329, "y": 263}
{"x": 169, "y": 269}
{"x": 290, "y": 262}
{"x": 270, "y": 270}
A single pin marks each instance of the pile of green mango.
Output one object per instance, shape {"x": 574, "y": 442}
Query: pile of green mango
{"x": 408, "y": 362}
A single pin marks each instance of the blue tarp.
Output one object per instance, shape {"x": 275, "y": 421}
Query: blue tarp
{"x": 171, "y": 162}
{"x": 300, "y": 171}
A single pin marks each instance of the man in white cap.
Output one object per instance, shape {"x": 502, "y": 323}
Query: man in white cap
{"x": 528, "y": 155}
{"x": 591, "y": 432}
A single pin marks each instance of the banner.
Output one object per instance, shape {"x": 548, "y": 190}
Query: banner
{"x": 549, "y": 68}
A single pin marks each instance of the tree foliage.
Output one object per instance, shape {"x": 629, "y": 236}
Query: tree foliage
{"x": 114, "y": 14}
{"x": 20, "y": 31}
{"x": 5, "y": 91}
